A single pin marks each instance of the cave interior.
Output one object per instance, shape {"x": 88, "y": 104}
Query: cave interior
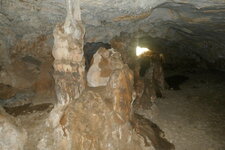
{"x": 112, "y": 75}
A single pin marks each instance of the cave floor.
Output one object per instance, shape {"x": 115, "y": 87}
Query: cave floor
{"x": 193, "y": 118}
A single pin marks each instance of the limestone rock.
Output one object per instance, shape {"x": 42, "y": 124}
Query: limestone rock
{"x": 4, "y": 54}
{"x": 125, "y": 45}
{"x": 6, "y": 91}
{"x": 33, "y": 44}
{"x": 102, "y": 119}
{"x": 90, "y": 49}
{"x": 68, "y": 53}
{"x": 152, "y": 73}
{"x": 96, "y": 126}
{"x": 85, "y": 119}
{"x": 18, "y": 74}
{"x": 168, "y": 20}
{"x": 120, "y": 89}
{"x": 68, "y": 75}
{"x": 100, "y": 70}
{"x": 53, "y": 134}
{"x": 44, "y": 86}
{"x": 68, "y": 65}
{"x": 12, "y": 136}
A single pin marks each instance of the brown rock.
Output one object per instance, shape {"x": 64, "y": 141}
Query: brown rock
{"x": 121, "y": 44}
{"x": 12, "y": 136}
{"x": 100, "y": 70}
{"x": 6, "y": 91}
{"x": 18, "y": 74}
{"x": 120, "y": 89}
{"x": 95, "y": 126}
{"x": 102, "y": 119}
{"x": 38, "y": 46}
{"x": 150, "y": 72}
{"x": 69, "y": 65}
{"x": 45, "y": 82}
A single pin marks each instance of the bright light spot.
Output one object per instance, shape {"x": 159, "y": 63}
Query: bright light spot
{"x": 141, "y": 50}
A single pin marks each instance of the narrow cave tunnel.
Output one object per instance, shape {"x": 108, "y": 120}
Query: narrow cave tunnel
{"x": 112, "y": 75}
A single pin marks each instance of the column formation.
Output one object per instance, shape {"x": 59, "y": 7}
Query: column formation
{"x": 69, "y": 62}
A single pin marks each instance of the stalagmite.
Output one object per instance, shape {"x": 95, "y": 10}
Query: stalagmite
{"x": 69, "y": 77}
{"x": 68, "y": 54}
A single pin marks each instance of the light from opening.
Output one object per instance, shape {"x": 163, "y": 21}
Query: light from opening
{"x": 141, "y": 50}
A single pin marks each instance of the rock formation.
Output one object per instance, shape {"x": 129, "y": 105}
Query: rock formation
{"x": 102, "y": 118}
{"x": 90, "y": 119}
{"x": 68, "y": 75}
{"x": 90, "y": 49}
{"x": 171, "y": 24}
{"x": 100, "y": 70}
{"x": 99, "y": 117}
{"x": 12, "y": 136}
{"x": 68, "y": 54}
{"x": 152, "y": 71}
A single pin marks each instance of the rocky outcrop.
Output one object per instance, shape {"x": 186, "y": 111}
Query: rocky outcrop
{"x": 102, "y": 118}
{"x": 152, "y": 71}
{"x": 7, "y": 91}
{"x": 90, "y": 49}
{"x": 12, "y": 136}
{"x": 120, "y": 87}
{"x": 100, "y": 70}
{"x": 148, "y": 68}
{"x": 95, "y": 125}
{"x": 18, "y": 74}
{"x": 34, "y": 45}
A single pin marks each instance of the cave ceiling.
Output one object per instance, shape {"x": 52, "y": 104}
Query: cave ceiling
{"x": 105, "y": 19}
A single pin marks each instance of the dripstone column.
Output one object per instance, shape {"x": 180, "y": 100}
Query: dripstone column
{"x": 69, "y": 62}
